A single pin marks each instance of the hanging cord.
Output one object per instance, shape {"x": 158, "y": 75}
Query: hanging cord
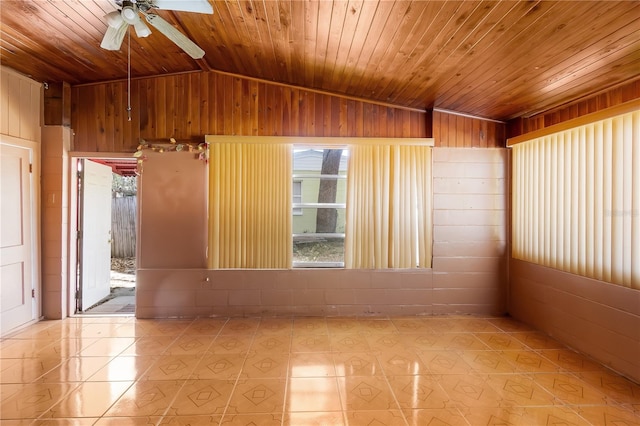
{"x": 129, "y": 75}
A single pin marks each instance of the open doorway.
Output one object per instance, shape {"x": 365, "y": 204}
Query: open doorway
{"x": 106, "y": 243}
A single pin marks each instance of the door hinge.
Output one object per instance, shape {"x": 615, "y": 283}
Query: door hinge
{"x": 30, "y": 168}
{"x": 33, "y": 293}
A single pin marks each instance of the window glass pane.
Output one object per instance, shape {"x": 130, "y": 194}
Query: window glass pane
{"x": 321, "y": 175}
{"x": 297, "y": 196}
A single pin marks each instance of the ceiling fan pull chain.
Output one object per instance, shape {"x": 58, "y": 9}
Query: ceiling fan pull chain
{"x": 129, "y": 76}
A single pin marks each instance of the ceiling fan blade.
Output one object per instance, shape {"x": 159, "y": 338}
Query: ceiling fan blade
{"x": 175, "y": 36}
{"x": 112, "y": 39}
{"x": 199, "y": 6}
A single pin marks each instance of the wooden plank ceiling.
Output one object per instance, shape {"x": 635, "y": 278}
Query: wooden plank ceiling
{"x": 487, "y": 58}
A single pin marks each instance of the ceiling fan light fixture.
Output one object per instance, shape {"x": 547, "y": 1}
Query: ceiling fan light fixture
{"x": 114, "y": 19}
{"x": 129, "y": 13}
{"x": 142, "y": 30}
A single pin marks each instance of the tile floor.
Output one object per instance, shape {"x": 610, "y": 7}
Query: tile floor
{"x": 303, "y": 371}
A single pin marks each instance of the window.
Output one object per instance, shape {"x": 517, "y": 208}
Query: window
{"x": 336, "y": 202}
{"x": 319, "y": 209}
{"x": 575, "y": 200}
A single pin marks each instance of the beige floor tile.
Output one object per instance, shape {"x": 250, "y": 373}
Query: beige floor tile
{"x": 570, "y": 360}
{"x": 316, "y": 418}
{"x": 28, "y": 370}
{"x": 550, "y": 416}
{"x": 265, "y": 365}
{"x": 167, "y": 327}
{"x": 615, "y": 387}
{"x": 280, "y": 326}
{"x": 311, "y": 365}
{"x": 420, "y": 341}
{"x": 609, "y": 416}
{"x": 245, "y": 326}
{"x": 379, "y": 417}
{"x": 356, "y": 364}
{"x": 349, "y": 343}
{"x": 190, "y": 345}
{"x": 123, "y": 368}
{"x": 377, "y": 326}
{"x": 310, "y": 326}
{"x": 473, "y": 325}
{"x": 570, "y": 389}
{"x": 402, "y": 362}
{"x": 90, "y": 399}
{"x": 147, "y": 398}
{"x": 75, "y": 369}
{"x": 172, "y": 367}
{"x": 202, "y": 397}
{"x": 29, "y": 348}
{"x": 67, "y": 347}
{"x": 487, "y": 362}
{"x": 312, "y": 394}
{"x": 441, "y": 325}
{"x": 310, "y": 342}
{"x": 257, "y": 419}
{"x": 501, "y": 341}
{"x": 510, "y": 325}
{"x": 339, "y": 326}
{"x": 231, "y": 343}
{"x": 190, "y": 420}
{"x": 411, "y": 325}
{"x": 34, "y": 399}
{"x": 258, "y": 396}
{"x": 445, "y": 362}
{"x": 128, "y": 421}
{"x": 100, "y": 330}
{"x": 86, "y": 421}
{"x": 535, "y": 340}
{"x": 449, "y": 417}
{"x": 460, "y": 341}
{"x": 520, "y": 390}
{"x": 366, "y": 393}
{"x": 149, "y": 345}
{"x": 21, "y": 422}
{"x": 9, "y": 390}
{"x": 423, "y": 391}
{"x": 385, "y": 341}
{"x": 468, "y": 391}
{"x": 219, "y": 366}
{"x": 530, "y": 362}
{"x": 206, "y": 326}
{"x": 271, "y": 342}
{"x": 108, "y": 346}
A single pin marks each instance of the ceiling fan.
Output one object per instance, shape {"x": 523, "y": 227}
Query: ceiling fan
{"x": 129, "y": 14}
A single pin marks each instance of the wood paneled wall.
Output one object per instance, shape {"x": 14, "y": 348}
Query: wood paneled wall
{"x": 189, "y": 106}
{"x": 20, "y": 106}
{"x": 457, "y": 131}
{"x": 598, "y": 102}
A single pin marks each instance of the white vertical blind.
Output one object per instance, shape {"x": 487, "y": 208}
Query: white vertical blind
{"x": 388, "y": 207}
{"x": 576, "y": 200}
{"x": 250, "y": 205}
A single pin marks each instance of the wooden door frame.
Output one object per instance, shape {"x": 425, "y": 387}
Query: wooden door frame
{"x": 74, "y": 156}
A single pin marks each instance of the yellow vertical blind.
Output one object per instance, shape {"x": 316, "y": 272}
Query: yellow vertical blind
{"x": 388, "y": 213}
{"x": 250, "y": 205}
{"x": 576, "y": 200}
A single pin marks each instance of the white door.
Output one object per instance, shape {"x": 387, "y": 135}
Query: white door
{"x": 95, "y": 233}
{"x": 16, "y": 238}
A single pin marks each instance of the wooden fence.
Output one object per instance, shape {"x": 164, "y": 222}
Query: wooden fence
{"x": 123, "y": 227}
